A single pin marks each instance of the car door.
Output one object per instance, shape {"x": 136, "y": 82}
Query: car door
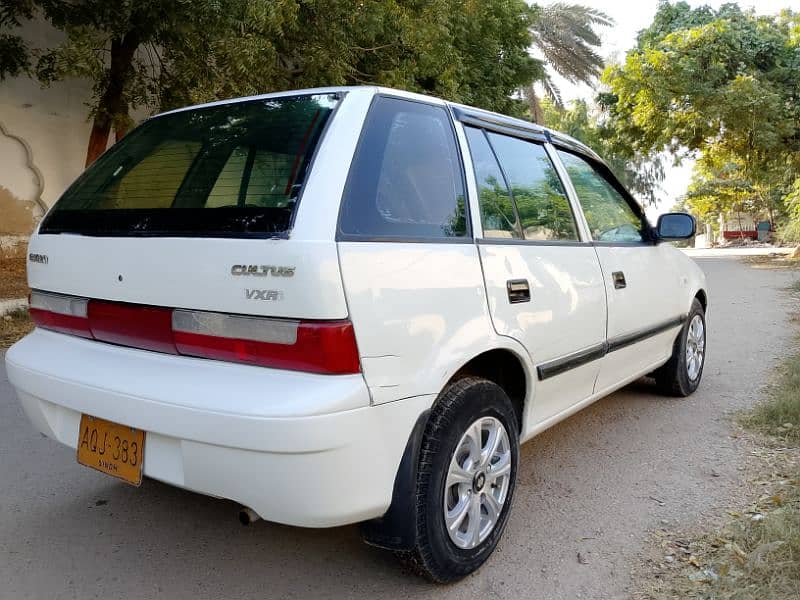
{"x": 641, "y": 281}
{"x": 543, "y": 280}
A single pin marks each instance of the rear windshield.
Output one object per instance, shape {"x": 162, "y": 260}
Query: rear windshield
{"x": 229, "y": 170}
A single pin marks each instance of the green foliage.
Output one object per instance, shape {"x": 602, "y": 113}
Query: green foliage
{"x": 565, "y": 35}
{"x": 14, "y": 52}
{"x": 721, "y": 84}
{"x": 790, "y": 232}
{"x": 159, "y": 54}
{"x": 640, "y": 173}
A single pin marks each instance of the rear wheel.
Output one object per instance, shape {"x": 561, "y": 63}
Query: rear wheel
{"x": 465, "y": 483}
{"x": 682, "y": 374}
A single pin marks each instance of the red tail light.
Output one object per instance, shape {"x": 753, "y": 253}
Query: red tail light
{"x": 320, "y": 347}
{"x": 65, "y": 314}
{"x": 327, "y": 347}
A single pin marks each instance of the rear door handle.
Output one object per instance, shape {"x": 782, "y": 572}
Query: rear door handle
{"x": 619, "y": 280}
{"x": 518, "y": 291}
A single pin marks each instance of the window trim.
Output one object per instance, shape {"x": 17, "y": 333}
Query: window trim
{"x": 649, "y": 239}
{"x": 517, "y": 223}
{"x": 467, "y": 238}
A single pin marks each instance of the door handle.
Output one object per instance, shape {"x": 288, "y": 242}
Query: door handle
{"x": 619, "y": 280}
{"x": 518, "y": 291}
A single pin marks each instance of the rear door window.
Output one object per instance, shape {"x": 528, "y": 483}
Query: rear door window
{"x": 405, "y": 182}
{"x": 542, "y": 204}
{"x": 231, "y": 169}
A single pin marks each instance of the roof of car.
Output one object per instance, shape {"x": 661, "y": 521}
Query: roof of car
{"x": 489, "y": 118}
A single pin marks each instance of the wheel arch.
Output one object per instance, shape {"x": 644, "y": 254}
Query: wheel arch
{"x": 505, "y": 366}
{"x": 702, "y": 297}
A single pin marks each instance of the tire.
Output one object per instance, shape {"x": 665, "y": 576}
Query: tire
{"x": 680, "y": 376}
{"x": 448, "y": 439}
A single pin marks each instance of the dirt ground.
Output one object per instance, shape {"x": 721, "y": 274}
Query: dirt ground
{"x": 591, "y": 493}
{"x": 13, "y": 282}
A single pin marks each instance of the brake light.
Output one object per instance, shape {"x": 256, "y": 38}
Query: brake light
{"x": 320, "y": 347}
{"x": 326, "y": 347}
{"x": 65, "y": 314}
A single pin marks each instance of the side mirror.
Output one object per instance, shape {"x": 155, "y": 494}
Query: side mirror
{"x": 675, "y": 226}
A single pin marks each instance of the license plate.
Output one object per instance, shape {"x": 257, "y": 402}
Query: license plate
{"x": 114, "y": 449}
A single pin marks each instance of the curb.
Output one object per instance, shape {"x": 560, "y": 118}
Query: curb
{"x": 8, "y": 306}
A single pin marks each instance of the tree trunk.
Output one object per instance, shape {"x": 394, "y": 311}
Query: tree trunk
{"x": 112, "y": 103}
{"x": 535, "y": 107}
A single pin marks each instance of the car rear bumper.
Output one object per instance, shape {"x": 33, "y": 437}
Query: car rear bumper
{"x": 297, "y": 448}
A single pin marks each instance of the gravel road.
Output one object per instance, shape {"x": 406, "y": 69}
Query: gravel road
{"x": 590, "y": 490}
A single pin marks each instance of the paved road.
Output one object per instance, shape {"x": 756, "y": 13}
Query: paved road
{"x": 595, "y": 484}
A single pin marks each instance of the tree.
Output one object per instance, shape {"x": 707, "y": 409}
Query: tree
{"x": 472, "y": 51}
{"x": 721, "y": 85}
{"x": 163, "y": 53}
{"x": 125, "y": 49}
{"x": 566, "y": 37}
{"x": 641, "y": 173}
{"x": 14, "y": 52}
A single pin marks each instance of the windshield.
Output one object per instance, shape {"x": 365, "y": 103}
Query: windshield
{"x": 230, "y": 170}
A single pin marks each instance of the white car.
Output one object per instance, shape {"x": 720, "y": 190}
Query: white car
{"x": 347, "y": 305}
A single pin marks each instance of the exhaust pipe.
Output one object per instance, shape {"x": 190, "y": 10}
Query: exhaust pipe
{"x": 247, "y": 515}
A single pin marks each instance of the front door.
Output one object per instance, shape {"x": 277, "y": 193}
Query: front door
{"x": 543, "y": 282}
{"x": 640, "y": 277}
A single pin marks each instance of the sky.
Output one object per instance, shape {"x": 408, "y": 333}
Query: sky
{"x": 631, "y": 16}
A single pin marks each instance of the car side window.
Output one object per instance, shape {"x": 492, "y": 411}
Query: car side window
{"x": 498, "y": 216}
{"x": 542, "y": 204}
{"x": 610, "y": 217}
{"x": 406, "y": 179}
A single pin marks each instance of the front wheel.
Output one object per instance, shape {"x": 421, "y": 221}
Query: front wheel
{"x": 465, "y": 483}
{"x": 682, "y": 374}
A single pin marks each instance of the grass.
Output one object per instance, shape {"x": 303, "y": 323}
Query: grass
{"x": 13, "y": 326}
{"x": 779, "y": 416}
{"x": 756, "y": 555}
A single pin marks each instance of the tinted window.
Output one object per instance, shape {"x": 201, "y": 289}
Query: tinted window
{"x": 405, "y": 180}
{"x": 610, "y": 217}
{"x": 247, "y": 161}
{"x": 497, "y": 211}
{"x": 542, "y": 205}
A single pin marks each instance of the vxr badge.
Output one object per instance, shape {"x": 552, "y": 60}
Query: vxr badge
{"x": 268, "y": 295}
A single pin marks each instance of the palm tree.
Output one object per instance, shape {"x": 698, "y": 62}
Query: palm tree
{"x": 565, "y": 36}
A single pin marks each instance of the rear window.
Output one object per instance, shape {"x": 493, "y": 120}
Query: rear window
{"x": 231, "y": 170}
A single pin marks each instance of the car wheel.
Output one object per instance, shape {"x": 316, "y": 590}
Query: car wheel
{"x": 682, "y": 374}
{"x": 465, "y": 480}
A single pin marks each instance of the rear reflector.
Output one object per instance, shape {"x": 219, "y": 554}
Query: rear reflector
{"x": 327, "y": 347}
{"x": 146, "y": 327}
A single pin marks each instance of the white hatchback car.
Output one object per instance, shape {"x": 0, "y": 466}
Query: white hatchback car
{"x": 347, "y": 305}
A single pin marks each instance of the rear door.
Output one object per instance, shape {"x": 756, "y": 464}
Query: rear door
{"x": 641, "y": 280}
{"x": 411, "y": 271}
{"x": 543, "y": 280}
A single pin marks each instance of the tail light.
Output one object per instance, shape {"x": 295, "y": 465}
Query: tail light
{"x": 65, "y": 314}
{"x": 327, "y": 347}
